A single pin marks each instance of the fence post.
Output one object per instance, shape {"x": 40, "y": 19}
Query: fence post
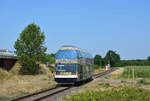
{"x": 133, "y": 76}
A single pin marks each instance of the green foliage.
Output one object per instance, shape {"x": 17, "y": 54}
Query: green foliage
{"x": 124, "y": 94}
{"x": 112, "y": 57}
{"x": 50, "y": 59}
{"x": 4, "y": 98}
{"x": 98, "y": 60}
{"x": 139, "y": 71}
{"x": 29, "y": 49}
{"x": 142, "y": 81}
{"x": 105, "y": 85}
{"x": 97, "y": 67}
{"x": 135, "y": 62}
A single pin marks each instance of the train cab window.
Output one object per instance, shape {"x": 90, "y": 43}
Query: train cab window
{"x": 66, "y": 68}
{"x": 60, "y": 68}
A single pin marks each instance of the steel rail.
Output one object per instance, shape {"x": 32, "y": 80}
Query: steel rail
{"x": 104, "y": 73}
{"x": 50, "y": 95}
{"x": 30, "y": 95}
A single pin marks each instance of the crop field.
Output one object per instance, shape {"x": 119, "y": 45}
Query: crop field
{"x": 121, "y": 89}
{"x": 137, "y": 72}
{"x": 124, "y": 94}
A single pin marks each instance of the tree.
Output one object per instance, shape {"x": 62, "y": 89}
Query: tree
{"x": 148, "y": 58}
{"x": 112, "y": 57}
{"x": 30, "y": 49}
{"x": 50, "y": 59}
{"x": 98, "y": 60}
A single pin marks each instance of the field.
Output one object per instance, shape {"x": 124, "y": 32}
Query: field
{"x": 137, "y": 72}
{"x": 124, "y": 94}
{"x": 118, "y": 86}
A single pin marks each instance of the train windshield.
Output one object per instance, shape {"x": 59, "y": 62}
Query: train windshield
{"x": 66, "y": 68}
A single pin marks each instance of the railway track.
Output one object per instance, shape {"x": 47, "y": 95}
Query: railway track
{"x": 56, "y": 92}
{"x": 104, "y": 73}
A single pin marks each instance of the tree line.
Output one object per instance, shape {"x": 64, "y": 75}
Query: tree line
{"x": 111, "y": 58}
{"x": 114, "y": 60}
{"x": 31, "y": 51}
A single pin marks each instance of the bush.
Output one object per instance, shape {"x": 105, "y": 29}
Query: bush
{"x": 143, "y": 82}
{"x": 97, "y": 67}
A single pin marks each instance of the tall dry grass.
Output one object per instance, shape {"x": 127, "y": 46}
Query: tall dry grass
{"x": 3, "y": 75}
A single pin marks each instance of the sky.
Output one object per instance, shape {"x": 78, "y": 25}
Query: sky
{"x": 95, "y": 25}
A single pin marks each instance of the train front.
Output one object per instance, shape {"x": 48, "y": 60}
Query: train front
{"x": 66, "y": 66}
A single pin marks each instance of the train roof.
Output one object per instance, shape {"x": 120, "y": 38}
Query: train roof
{"x": 72, "y": 52}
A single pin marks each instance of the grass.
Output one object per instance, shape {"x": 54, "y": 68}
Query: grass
{"x": 4, "y": 75}
{"x": 139, "y": 72}
{"x": 12, "y": 84}
{"x": 105, "y": 85}
{"x": 111, "y": 89}
{"x": 4, "y": 98}
{"x": 123, "y": 94}
{"x": 21, "y": 85}
{"x": 96, "y": 71}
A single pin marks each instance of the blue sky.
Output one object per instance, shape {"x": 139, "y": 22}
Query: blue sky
{"x": 94, "y": 25}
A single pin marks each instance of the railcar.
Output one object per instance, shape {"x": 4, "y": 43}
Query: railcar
{"x": 73, "y": 65}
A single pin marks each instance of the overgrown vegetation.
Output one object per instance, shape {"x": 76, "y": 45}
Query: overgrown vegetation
{"x": 3, "y": 75}
{"x": 124, "y": 94}
{"x": 20, "y": 85}
{"x": 4, "y": 98}
{"x": 30, "y": 49}
{"x": 105, "y": 85}
{"x": 138, "y": 62}
{"x": 111, "y": 58}
{"x": 139, "y": 71}
{"x": 142, "y": 81}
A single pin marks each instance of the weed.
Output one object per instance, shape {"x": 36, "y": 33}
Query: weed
{"x": 122, "y": 81}
{"x": 143, "y": 82}
{"x": 106, "y": 85}
{"x": 4, "y": 98}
